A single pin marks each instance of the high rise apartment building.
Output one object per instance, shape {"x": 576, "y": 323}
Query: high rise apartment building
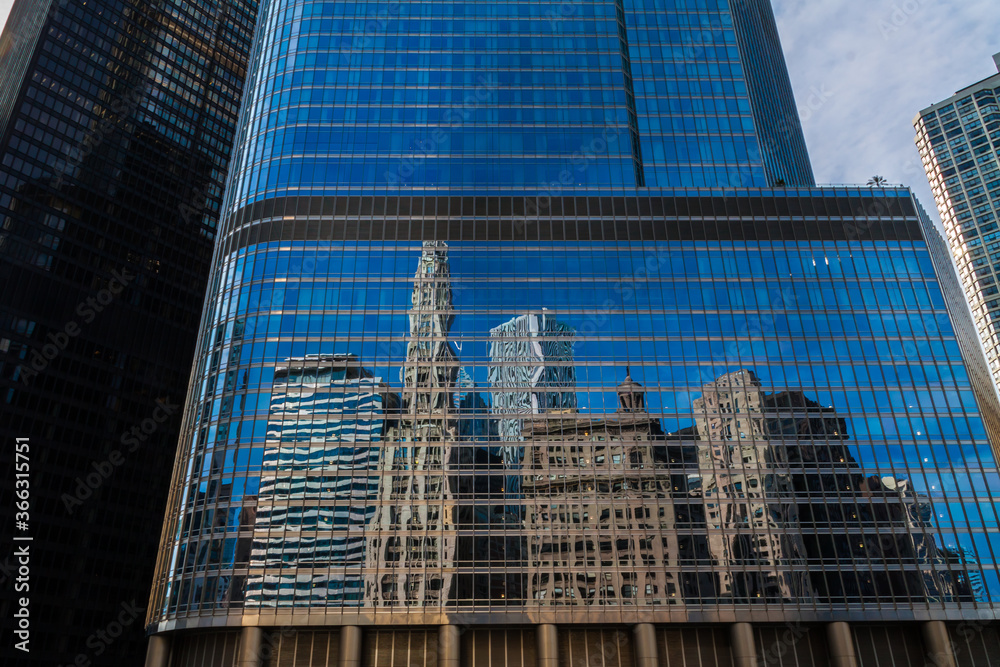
{"x": 960, "y": 312}
{"x": 116, "y": 124}
{"x": 959, "y": 144}
{"x": 659, "y": 398}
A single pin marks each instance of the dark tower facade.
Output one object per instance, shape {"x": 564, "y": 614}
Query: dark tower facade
{"x": 116, "y": 123}
{"x": 705, "y": 411}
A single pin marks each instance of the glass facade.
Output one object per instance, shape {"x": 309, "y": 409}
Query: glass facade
{"x": 711, "y": 412}
{"x": 657, "y": 391}
{"x": 958, "y": 141}
{"x": 510, "y": 97}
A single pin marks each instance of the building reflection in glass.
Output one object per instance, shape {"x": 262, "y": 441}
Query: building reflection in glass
{"x": 328, "y": 417}
{"x": 761, "y": 500}
{"x": 531, "y": 373}
{"x": 422, "y": 499}
{"x": 531, "y": 370}
{"x": 416, "y": 514}
{"x": 753, "y": 537}
{"x": 596, "y": 508}
{"x": 782, "y": 494}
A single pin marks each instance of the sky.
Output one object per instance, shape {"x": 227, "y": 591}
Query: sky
{"x": 5, "y": 6}
{"x": 862, "y": 70}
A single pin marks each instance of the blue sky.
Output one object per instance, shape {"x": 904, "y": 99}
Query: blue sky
{"x": 869, "y": 67}
{"x": 862, "y": 70}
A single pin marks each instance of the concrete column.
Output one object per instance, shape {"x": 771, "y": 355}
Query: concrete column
{"x": 449, "y": 645}
{"x": 350, "y": 646}
{"x": 645, "y": 645}
{"x": 251, "y": 644}
{"x": 548, "y": 645}
{"x": 158, "y": 652}
{"x": 937, "y": 643}
{"x": 744, "y": 647}
{"x": 841, "y": 643}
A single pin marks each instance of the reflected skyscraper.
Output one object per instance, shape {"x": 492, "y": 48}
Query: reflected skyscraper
{"x": 531, "y": 372}
{"x": 639, "y": 388}
{"x": 745, "y": 481}
{"x": 327, "y": 422}
{"x": 417, "y": 500}
{"x": 531, "y": 362}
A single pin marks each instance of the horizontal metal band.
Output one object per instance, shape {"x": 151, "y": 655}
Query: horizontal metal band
{"x": 742, "y": 218}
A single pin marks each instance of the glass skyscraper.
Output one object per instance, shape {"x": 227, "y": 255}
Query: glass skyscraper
{"x": 959, "y": 144}
{"x": 117, "y": 121}
{"x": 646, "y": 394}
{"x": 479, "y": 98}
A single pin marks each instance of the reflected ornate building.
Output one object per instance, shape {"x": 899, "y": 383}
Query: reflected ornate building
{"x": 598, "y": 516}
{"x": 402, "y": 498}
{"x": 417, "y": 509}
{"x": 746, "y": 486}
{"x": 783, "y": 493}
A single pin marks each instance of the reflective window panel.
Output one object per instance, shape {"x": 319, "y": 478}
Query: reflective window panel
{"x": 579, "y": 414}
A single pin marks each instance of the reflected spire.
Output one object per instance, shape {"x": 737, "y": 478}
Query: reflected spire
{"x": 631, "y": 397}
{"x": 430, "y": 373}
{"x": 417, "y": 507}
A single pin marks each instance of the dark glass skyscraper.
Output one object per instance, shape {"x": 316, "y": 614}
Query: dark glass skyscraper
{"x": 636, "y": 404}
{"x": 116, "y": 123}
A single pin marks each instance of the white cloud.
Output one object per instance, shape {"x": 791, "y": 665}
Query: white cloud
{"x": 882, "y": 62}
{"x": 5, "y": 6}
